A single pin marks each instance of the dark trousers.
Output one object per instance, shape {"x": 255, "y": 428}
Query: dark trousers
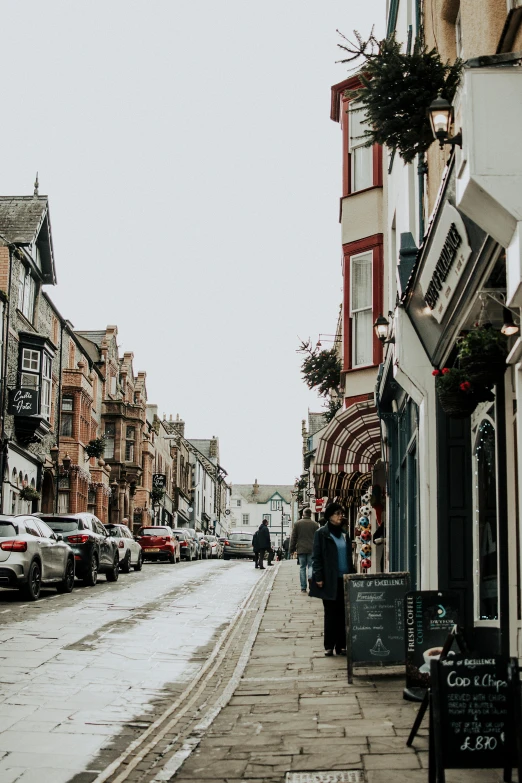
{"x": 334, "y": 622}
{"x": 259, "y": 556}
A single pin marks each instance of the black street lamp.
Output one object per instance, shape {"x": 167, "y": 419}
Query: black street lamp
{"x": 440, "y": 113}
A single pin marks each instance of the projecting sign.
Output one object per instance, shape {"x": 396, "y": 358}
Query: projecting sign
{"x": 23, "y": 402}
{"x": 159, "y": 480}
{"x": 445, "y": 262}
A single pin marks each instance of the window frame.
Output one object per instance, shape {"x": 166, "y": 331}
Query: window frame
{"x": 355, "y": 312}
{"x": 26, "y": 293}
{"x": 359, "y": 144}
{"x": 35, "y": 351}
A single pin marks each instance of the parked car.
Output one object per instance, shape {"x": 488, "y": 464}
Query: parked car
{"x": 32, "y": 555}
{"x": 216, "y": 548}
{"x": 187, "y": 544}
{"x": 131, "y": 553}
{"x": 204, "y": 546}
{"x": 95, "y": 552}
{"x": 238, "y": 544}
{"x": 159, "y": 542}
{"x": 193, "y": 534}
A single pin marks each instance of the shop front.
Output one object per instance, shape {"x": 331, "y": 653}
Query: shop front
{"x": 455, "y": 300}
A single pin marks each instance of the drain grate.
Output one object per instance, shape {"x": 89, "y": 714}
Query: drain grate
{"x": 326, "y": 776}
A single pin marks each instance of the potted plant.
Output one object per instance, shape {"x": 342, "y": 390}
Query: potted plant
{"x": 482, "y": 353}
{"x": 29, "y": 493}
{"x": 95, "y": 448}
{"x": 156, "y": 495}
{"x": 458, "y": 393}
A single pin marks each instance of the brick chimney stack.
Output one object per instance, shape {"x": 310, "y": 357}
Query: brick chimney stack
{"x": 178, "y": 425}
{"x": 255, "y": 488}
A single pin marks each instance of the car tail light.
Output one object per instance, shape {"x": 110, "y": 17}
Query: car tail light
{"x": 82, "y": 538}
{"x": 14, "y": 546}
{"x": 121, "y": 544}
{"x": 183, "y": 543}
{"x": 226, "y": 543}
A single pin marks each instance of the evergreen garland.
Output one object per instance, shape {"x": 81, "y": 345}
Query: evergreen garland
{"x": 398, "y": 89}
{"x": 321, "y": 370}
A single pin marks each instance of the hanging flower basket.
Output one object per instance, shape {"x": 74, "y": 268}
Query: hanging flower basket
{"x": 95, "y": 448}
{"x": 457, "y": 396}
{"x": 29, "y": 493}
{"x": 482, "y": 354}
{"x": 156, "y": 495}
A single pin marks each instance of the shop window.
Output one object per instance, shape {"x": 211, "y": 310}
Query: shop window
{"x": 26, "y": 293}
{"x": 361, "y": 156}
{"x": 129, "y": 444}
{"x": 361, "y": 309}
{"x": 110, "y": 437}
{"x": 486, "y": 550}
{"x": 66, "y": 421}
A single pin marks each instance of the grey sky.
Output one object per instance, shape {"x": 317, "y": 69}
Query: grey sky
{"x": 194, "y": 181}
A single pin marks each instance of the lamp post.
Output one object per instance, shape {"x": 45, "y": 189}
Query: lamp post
{"x": 441, "y": 117}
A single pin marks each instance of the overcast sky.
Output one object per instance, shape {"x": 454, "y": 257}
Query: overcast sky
{"x": 194, "y": 178}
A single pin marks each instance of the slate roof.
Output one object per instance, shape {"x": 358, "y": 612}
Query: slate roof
{"x": 316, "y": 422}
{"x": 265, "y": 492}
{"x": 23, "y": 220}
{"x": 90, "y": 345}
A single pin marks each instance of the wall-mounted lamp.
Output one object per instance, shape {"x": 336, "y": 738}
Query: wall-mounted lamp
{"x": 381, "y": 328}
{"x": 66, "y": 462}
{"x": 509, "y": 328}
{"x": 440, "y": 113}
{"x": 54, "y": 451}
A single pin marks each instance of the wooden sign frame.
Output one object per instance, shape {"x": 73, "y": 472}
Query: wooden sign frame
{"x": 370, "y": 577}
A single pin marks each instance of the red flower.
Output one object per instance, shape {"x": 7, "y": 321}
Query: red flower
{"x": 445, "y": 370}
{"x": 436, "y": 372}
{"x": 465, "y": 386}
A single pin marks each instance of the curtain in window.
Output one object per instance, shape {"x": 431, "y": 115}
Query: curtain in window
{"x": 362, "y": 156}
{"x": 361, "y": 308}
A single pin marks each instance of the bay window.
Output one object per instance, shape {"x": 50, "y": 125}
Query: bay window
{"x": 361, "y": 156}
{"x": 110, "y": 437}
{"x": 361, "y": 309}
{"x": 129, "y": 444}
{"x": 35, "y": 369}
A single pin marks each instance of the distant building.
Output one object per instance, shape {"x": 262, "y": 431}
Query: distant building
{"x": 251, "y": 503}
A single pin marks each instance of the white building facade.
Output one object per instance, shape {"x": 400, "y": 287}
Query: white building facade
{"x": 251, "y": 503}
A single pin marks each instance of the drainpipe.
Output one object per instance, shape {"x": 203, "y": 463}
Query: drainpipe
{"x": 422, "y": 170}
{"x": 59, "y": 415}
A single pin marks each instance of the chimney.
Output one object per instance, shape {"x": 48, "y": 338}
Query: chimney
{"x": 179, "y": 426}
{"x": 255, "y": 488}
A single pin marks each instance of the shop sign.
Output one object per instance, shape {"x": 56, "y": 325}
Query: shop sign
{"x": 430, "y": 617}
{"x": 23, "y": 402}
{"x": 445, "y": 262}
{"x": 159, "y": 480}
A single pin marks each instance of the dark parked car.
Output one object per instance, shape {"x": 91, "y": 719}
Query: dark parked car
{"x": 94, "y": 550}
{"x": 187, "y": 544}
{"x": 32, "y": 555}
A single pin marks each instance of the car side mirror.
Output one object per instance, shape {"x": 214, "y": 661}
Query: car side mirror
{"x": 177, "y": 538}
{"x": 58, "y": 536}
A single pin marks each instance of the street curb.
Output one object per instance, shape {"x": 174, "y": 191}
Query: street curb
{"x": 219, "y": 648}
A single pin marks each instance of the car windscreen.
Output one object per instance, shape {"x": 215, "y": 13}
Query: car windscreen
{"x": 154, "y": 531}
{"x": 182, "y": 533}
{"x": 8, "y": 529}
{"x": 243, "y": 537}
{"x": 211, "y": 538}
{"x": 115, "y": 532}
{"x": 62, "y": 525}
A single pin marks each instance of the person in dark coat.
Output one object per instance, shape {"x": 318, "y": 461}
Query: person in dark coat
{"x": 263, "y": 542}
{"x": 255, "y": 547}
{"x": 331, "y": 559}
{"x": 286, "y": 547}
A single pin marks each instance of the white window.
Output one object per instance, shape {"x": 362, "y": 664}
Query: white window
{"x": 26, "y": 289}
{"x": 268, "y": 517}
{"x": 46, "y": 387}
{"x": 110, "y": 435}
{"x": 238, "y": 503}
{"x": 361, "y": 309}
{"x": 276, "y": 505}
{"x": 30, "y": 360}
{"x": 458, "y": 36}
{"x": 361, "y": 157}
{"x": 245, "y": 518}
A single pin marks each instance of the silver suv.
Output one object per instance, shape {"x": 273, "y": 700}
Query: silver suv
{"x": 31, "y": 555}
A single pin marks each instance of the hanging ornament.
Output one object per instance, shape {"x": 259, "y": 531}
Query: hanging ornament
{"x": 366, "y": 509}
{"x": 366, "y": 535}
{"x": 366, "y": 550}
{"x": 366, "y": 563}
{"x": 363, "y": 522}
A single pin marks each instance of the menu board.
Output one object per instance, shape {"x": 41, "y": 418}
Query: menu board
{"x": 375, "y": 623}
{"x": 473, "y": 713}
{"x": 430, "y": 617}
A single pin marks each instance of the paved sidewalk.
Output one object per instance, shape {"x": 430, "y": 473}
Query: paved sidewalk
{"x": 294, "y": 710}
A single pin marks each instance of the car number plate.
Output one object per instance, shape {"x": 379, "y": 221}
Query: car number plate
{"x": 153, "y": 549}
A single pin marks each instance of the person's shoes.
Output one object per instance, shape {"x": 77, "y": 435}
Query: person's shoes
{"x": 261, "y": 568}
{"x": 304, "y": 591}
{"x": 340, "y": 652}
{"x": 328, "y": 653}
{"x": 270, "y": 564}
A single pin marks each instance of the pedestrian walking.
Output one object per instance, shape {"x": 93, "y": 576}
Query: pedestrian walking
{"x": 279, "y": 554}
{"x": 255, "y": 547}
{"x": 302, "y": 542}
{"x": 332, "y": 558}
{"x": 286, "y": 547}
{"x": 263, "y": 543}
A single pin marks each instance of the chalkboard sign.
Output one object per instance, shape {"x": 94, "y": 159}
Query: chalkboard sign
{"x": 474, "y": 713}
{"x": 375, "y": 627}
{"x": 430, "y": 617}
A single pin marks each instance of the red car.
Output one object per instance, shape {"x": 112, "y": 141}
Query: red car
{"x": 159, "y": 543}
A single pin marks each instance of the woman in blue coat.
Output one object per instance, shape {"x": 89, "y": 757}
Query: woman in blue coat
{"x": 331, "y": 559}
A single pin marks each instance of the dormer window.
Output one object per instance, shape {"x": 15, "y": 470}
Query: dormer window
{"x": 26, "y": 293}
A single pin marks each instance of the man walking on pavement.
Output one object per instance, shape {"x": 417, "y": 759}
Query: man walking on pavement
{"x": 302, "y": 541}
{"x": 286, "y": 547}
{"x": 263, "y": 542}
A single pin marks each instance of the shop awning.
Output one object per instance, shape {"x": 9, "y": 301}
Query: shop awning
{"x": 347, "y": 451}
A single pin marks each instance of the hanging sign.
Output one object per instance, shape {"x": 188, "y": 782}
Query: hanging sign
{"x": 445, "y": 261}
{"x": 476, "y": 713}
{"x": 159, "y": 480}
{"x": 430, "y": 616}
{"x": 23, "y": 402}
{"x": 375, "y": 623}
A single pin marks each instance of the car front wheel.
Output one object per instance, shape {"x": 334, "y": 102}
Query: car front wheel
{"x": 126, "y": 564}
{"x": 32, "y": 589}
{"x": 67, "y": 585}
{"x": 139, "y": 563}
{"x": 112, "y": 575}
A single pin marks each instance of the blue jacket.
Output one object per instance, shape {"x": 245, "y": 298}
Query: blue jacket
{"x": 325, "y": 564}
